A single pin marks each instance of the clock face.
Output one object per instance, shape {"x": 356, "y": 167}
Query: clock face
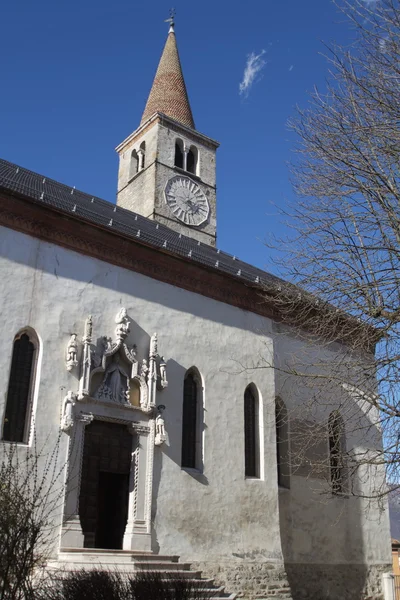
{"x": 186, "y": 200}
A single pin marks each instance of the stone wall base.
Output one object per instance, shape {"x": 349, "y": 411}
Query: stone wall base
{"x": 249, "y": 579}
{"x": 253, "y": 580}
{"x": 336, "y": 582}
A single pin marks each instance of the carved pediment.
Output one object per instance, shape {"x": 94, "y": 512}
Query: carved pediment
{"x": 111, "y": 373}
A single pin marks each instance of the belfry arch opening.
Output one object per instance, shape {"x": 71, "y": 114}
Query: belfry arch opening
{"x": 192, "y": 158}
{"x": 179, "y": 154}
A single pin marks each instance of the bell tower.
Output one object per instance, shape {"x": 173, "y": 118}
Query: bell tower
{"x": 166, "y": 167}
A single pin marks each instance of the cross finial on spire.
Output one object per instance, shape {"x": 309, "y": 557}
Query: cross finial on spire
{"x": 171, "y": 20}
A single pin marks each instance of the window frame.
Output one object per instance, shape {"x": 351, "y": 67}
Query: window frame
{"x": 337, "y": 484}
{"x": 255, "y": 473}
{"x": 198, "y": 463}
{"x": 32, "y": 387}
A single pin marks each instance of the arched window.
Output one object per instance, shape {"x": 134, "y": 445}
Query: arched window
{"x": 179, "y": 154}
{"x": 336, "y": 450}
{"x": 142, "y": 156}
{"x": 282, "y": 443}
{"x": 134, "y": 168}
{"x": 251, "y": 433}
{"x": 192, "y": 421}
{"x": 21, "y": 383}
{"x": 192, "y": 160}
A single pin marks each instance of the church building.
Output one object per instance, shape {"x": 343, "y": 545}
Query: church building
{"x": 129, "y": 339}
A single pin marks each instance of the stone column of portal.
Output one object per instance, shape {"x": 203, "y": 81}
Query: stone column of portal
{"x": 138, "y": 528}
{"x": 71, "y": 533}
{"x": 185, "y": 155}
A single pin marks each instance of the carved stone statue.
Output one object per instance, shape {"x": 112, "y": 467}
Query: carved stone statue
{"x": 115, "y": 385}
{"x": 144, "y": 369}
{"x": 161, "y": 435}
{"x": 67, "y": 416}
{"x": 71, "y": 355}
{"x": 122, "y": 329}
{"x": 163, "y": 373}
{"x": 153, "y": 346}
{"x": 88, "y": 330}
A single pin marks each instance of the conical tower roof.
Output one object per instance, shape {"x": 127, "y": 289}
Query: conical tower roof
{"x": 168, "y": 94}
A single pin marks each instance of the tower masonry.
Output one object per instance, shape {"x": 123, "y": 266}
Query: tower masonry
{"x": 167, "y": 169}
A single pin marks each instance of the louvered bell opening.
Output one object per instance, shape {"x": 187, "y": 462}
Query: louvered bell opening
{"x": 189, "y": 423}
{"x": 18, "y": 394}
{"x": 250, "y": 434}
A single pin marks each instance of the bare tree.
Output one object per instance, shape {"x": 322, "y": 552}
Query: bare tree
{"x": 344, "y": 256}
{"x": 31, "y": 492}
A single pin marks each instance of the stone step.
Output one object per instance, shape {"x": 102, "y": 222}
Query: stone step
{"x": 129, "y": 561}
{"x": 99, "y": 555}
{"x": 161, "y": 566}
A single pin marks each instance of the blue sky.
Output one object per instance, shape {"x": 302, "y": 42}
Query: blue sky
{"x": 75, "y": 78}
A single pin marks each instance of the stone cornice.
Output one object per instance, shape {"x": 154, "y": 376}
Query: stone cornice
{"x": 166, "y": 121}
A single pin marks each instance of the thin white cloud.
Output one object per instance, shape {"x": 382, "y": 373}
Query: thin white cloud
{"x": 291, "y": 67}
{"x": 254, "y": 65}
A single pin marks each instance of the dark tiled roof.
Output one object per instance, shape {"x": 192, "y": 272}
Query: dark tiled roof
{"x": 76, "y": 204}
{"x": 168, "y": 94}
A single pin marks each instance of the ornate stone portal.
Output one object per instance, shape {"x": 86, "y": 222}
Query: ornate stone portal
{"x": 114, "y": 389}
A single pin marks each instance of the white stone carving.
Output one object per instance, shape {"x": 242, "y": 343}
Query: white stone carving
{"x": 152, "y": 376}
{"x": 85, "y": 418}
{"x": 137, "y": 428}
{"x": 135, "y": 476}
{"x": 144, "y": 369}
{"x": 67, "y": 415}
{"x": 160, "y": 436}
{"x": 71, "y": 355}
{"x": 115, "y": 385}
{"x": 86, "y": 359}
{"x": 88, "y": 329}
{"x": 122, "y": 329}
{"x": 149, "y": 476}
{"x": 153, "y": 346}
{"x": 163, "y": 373}
{"x": 118, "y": 364}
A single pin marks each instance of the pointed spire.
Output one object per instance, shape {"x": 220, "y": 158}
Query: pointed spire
{"x": 168, "y": 94}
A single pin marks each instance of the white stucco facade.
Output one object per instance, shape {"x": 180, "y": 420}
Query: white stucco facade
{"x": 214, "y": 516}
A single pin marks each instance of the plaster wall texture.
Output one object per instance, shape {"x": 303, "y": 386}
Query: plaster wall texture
{"x": 144, "y": 193}
{"x": 216, "y": 517}
{"x": 214, "y": 513}
{"x": 316, "y": 526}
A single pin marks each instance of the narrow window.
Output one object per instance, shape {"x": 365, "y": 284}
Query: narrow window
{"x": 251, "y": 434}
{"x": 20, "y": 387}
{"x": 142, "y": 156}
{"x": 179, "y": 154}
{"x": 189, "y": 422}
{"x": 134, "y": 168}
{"x": 282, "y": 443}
{"x": 336, "y": 447}
{"x": 192, "y": 421}
{"x": 192, "y": 160}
